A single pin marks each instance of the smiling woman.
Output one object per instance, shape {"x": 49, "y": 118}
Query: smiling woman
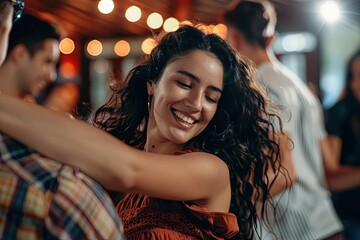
{"x": 208, "y": 125}
{"x": 185, "y": 99}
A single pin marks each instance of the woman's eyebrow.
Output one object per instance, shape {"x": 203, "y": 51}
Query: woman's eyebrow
{"x": 188, "y": 74}
{"x": 195, "y": 78}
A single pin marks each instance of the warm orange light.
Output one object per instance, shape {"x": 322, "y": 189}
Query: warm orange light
{"x": 206, "y": 28}
{"x": 221, "y": 30}
{"x": 94, "y": 48}
{"x": 154, "y": 20}
{"x": 186, "y": 23}
{"x": 133, "y": 14}
{"x": 122, "y": 48}
{"x": 148, "y": 45}
{"x": 211, "y": 27}
{"x": 171, "y": 24}
{"x": 67, "y": 46}
{"x": 68, "y": 70}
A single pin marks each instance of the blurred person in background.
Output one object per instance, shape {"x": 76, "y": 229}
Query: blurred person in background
{"x": 304, "y": 212}
{"x": 41, "y": 198}
{"x": 343, "y": 126}
{"x": 37, "y": 44}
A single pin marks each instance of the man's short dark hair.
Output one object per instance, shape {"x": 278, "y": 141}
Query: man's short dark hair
{"x": 32, "y": 32}
{"x": 254, "y": 19}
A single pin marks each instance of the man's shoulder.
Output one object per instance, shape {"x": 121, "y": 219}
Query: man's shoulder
{"x": 43, "y": 188}
{"x": 27, "y": 164}
{"x": 45, "y": 173}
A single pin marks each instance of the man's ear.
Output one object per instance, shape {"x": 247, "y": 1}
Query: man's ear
{"x": 150, "y": 88}
{"x": 19, "y": 53}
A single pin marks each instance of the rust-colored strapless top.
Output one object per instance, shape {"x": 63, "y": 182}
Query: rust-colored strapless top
{"x": 149, "y": 218}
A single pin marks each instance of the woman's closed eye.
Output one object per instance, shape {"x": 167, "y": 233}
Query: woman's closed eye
{"x": 184, "y": 84}
{"x": 211, "y": 99}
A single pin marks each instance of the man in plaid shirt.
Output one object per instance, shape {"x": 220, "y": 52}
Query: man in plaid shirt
{"x": 39, "y": 197}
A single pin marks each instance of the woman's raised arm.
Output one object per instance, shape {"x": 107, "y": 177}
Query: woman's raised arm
{"x": 110, "y": 161}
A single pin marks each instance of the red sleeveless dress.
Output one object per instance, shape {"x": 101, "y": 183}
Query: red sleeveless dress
{"x": 147, "y": 218}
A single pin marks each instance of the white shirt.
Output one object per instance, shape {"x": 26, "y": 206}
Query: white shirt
{"x": 305, "y": 211}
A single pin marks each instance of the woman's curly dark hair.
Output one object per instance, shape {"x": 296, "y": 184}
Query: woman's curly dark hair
{"x": 241, "y": 132}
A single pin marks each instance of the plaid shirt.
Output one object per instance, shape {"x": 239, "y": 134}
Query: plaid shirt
{"x": 41, "y": 198}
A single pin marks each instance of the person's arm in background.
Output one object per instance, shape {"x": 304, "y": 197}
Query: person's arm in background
{"x": 339, "y": 177}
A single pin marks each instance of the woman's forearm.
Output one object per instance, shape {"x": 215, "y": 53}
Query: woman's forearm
{"x": 346, "y": 177}
{"x": 66, "y": 140}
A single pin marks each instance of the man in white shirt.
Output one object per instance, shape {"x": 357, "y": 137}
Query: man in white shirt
{"x": 305, "y": 211}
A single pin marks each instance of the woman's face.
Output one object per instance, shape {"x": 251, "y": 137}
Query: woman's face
{"x": 355, "y": 81}
{"x": 186, "y": 96}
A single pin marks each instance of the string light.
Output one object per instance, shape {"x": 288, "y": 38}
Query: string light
{"x": 154, "y": 20}
{"x": 106, "y": 6}
{"x": 171, "y": 24}
{"x": 67, "y": 46}
{"x": 133, "y": 14}
{"x": 94, "y": 48}
{"x": 148, "y": 45}
{"x": 122, "y": 48}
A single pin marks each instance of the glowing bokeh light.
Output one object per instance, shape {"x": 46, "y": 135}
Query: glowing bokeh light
{"x": 171, "y": 24}
{"x": 67, "y": 70}
{"x": 133, "y": 14}
{"x": 106, "y": 6}
{"x": 221, "y": 30}
{"x": 94, "y": 48}
{"x": 186, "y": 23}
{"x": 122, "y": 48}
{"x": 294, "y": 43}
{"x": 148, "y": 45}
{"x": 330, "y": 11}
{"x": 154, "y": 20}
{"x": 101, "y": 65}
{"x": 67, "y": 46}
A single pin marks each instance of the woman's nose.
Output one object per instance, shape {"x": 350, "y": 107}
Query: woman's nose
{"x": 194, "y": 101}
